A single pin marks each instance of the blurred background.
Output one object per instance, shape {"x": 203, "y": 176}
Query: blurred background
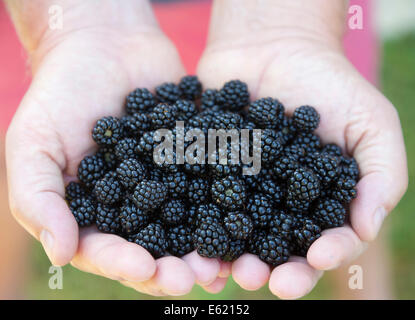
{"x": 383, "y": 51}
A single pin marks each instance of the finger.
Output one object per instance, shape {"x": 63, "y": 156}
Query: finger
{"x": 216, "y": 286}
{"x": 206, "y": 270}
{"x": 143, "y": 288}
{"x": 250, "y": 272}
{"x": 334, "y": 248}
{"x": 225, "y": 269}
{"x": 113, "y": 257}
{"x": 293, "y": 279}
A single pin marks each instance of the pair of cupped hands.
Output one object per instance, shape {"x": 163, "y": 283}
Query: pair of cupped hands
{"x": 84, "y": 72}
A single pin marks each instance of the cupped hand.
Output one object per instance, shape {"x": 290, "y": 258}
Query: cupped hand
{"x": 80, "y": 75}
{"x": 300, "y": 67}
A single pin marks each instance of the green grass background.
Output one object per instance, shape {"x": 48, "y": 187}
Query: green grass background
{"x": 398, "y": 84}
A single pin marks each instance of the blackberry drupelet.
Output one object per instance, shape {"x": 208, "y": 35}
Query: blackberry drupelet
{"x": 229, "y": 193}
{"x": 281, "y": 224}
{"x": 305, "y": 233}
{"x": 153, "y": 239}
{"x": 176, "y": 184}
{"x": 344, "y": 190}
{"x": 107, "y": 219}
{"x": 108, "y": 189}
{"x": 185, "y": 110}
{"x": 173, "y": 212}
{"x": 238, "y": 224}
{"x": 198, "y": 191}
{"x": 149, "y": 195}
{"x": 271, "y": 146}
{"x": 285, "y": 166}
{"x": 180, "y": 240}
{"x": 259, "y": 208}
{"x": 190, "y": 87}
{"x": 107, "y": 131}
{"x": 211, "y": 240}
{"x": 306, "y": 118}
{"x": 90, "y": 170}
{"x": 132, "y": 219}
{"x": 266, "y": 112}
{"x": 126, "y": 149}
{"x": 74, "y": 190}
{"x": 274, "y": 250}
{"x": 208, "y": 213}
{"x": 83, "y": 210}
{"x": 130, "y": 172}
{"x": 235, "y": 95}
{"x": 163, "y": 116}
{"x": 168, "y": 92}
{"x": 139, "y": 100}
{"x": 136, "y": 124}
{"x": 326, "y": 166}
{"x": 303, "y": 185}
{"x": 235, "y": 250}
{"x": 329, "y": 213}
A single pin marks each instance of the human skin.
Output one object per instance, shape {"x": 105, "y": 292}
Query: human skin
{"x": 105, "y": 50}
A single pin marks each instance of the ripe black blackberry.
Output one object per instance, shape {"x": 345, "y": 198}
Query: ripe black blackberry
{"x": 191, "y": 216}
{"x": 139, "y": 100}
{"x": 329, "y": 213}
{"x": 349, "y": 168}
{"x": 273, "y": 250}
{"x": 254, "y": 242}
{"x": 163, "y": 116}
{"x": 306, "y": 118}
{"x": 219, "y": 169}
{"x": 259, "y": 208}
{"x": 132, "y": 219}
{"x": 305, "y": 233}
{"x": 107, "y": 154}
{"x": 130, "y": 172}
{"x": 235, "y": 250}
{"x": 309, "y": 141}
{"x": 297, "y": 152}
{"x": 90, "y": 170}
{"x": 284, "y": 166}
{"x": 229, "y": 193}
{"x": 266, "y": 112}
{"x": 107, "y": 131}
{"x": 208, "y": 213}
{"x": 303, "y": 185}
{"x": 126, "y": 149}
{"x": 74, "y": 190}
{"x": 281, "y": 224}
{"x": 274, "y": 190}
{"x": 198, "y": 191}
{"x": 226, "y": 120}
{"x": 251, "y": 181}
{"x": 211, "y": 240}
{"x": 108, "y": 189}
{"x": 168, "y": 92}
{"x": 152, "y": 238}
{"x": 235, "y": 95}
{"x": 149, "y": 195}
{"x": 185, "y": 110}
{"x": 297, "y": 206}
{"x": 136, "y": 124}
{"x": 173, "y": 212}
{"x": 288, "y": 129}
{"x": 326, "y": 166}
{"x": 211, "y": 100}
{"x": 180, "y": 240}
{"x": 238, "y": 224}
{"x": 190, "y": 87}
{"x": 146, "y": 145}
{"x": 271, "y": 146}
{"x": 332, "y": 149}
{"x": 155, "y": 173}
{"x": 344, "y": 190}
{"x": 107, "y": 219}
{"x": 83, "y": 210}
{"x": 176, "y": 184}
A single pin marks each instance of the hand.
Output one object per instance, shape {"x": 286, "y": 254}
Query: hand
{"x": 81, "y": 74}
{"x": 305, "y": 65}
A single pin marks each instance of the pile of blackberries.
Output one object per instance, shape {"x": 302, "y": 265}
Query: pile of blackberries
{"x": 303, "y": 186}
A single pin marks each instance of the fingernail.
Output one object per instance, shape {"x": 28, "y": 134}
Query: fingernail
{"x": 378, "y": 217}
{"x": 47, "y": 240}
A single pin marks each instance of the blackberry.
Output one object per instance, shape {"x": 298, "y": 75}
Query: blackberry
{"x": 303, "y": 185}
{"x": 126, "y": 149}
{"x": 211, "y": 240}
{"x": 180, "y": 240}
{"x": 107, "y": 154}
{"x": 259, "y": 208}
{"x": 325, "y": 166}
{"x": 305, "y": 233}
{"x": 176, "y": 184}
{"x": 130, "y": 172}
{"x": 185, "y": 110}
{"x": 149, "y": 195}
{"x": 288, "y": 129}
{"x": 83, "y": 210}
{"x": 229, "y": 193}
{"x": 90, "y": 170}
{"x": 108, "y": 189}
{"x": 344, "y": 190}
{"x": 235, "y": 95}
{"x": 198, "y": 191}
{"x": 235, "y": 250}
{"x": 274, "y": 250}
{"x": 139, "y": 100}
{"x": 254, "y": 243}
{"x": 239, "y": 225}
{"x": 191, "y": 217}
{"x": 107, "y": 219}
{"x": 251, "y": 181}
{"x": 349, "y": 168}
{"x": 329, "y": 213}
{"x": 212, "y": 100}
{"x": 306, "y": 118}
{"x": 227, "y": 120}
{"x": 297, "y": 206}
{"x": 136, "y": 124}
{"x": 281, "y": 224}
{"x": 219, "y": 170}
{"x": 146, "y": 145}
{"x": 309, "y": 141}
{"x": 132, "y": 219}
{"x": 153, "y": 239}
{"x": 107, "y": 131}
{"x": 156, "y": 174}
{"x": 163, "y": 116}
{"x": 285, "y": 166}
{"x": 168, "y": 92}
{"x": 332, "y": 149}
{"x": 271, "y": 146}
{"x": 173, "y": 212}
{"x": 190, "y": 87}
{"x": 297, "y": 152}
{"x": 74, "y": 190}
{"x": 208, "y": 213}
{"x": 266, "y": 112}
{"x": 273, "y": 190}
